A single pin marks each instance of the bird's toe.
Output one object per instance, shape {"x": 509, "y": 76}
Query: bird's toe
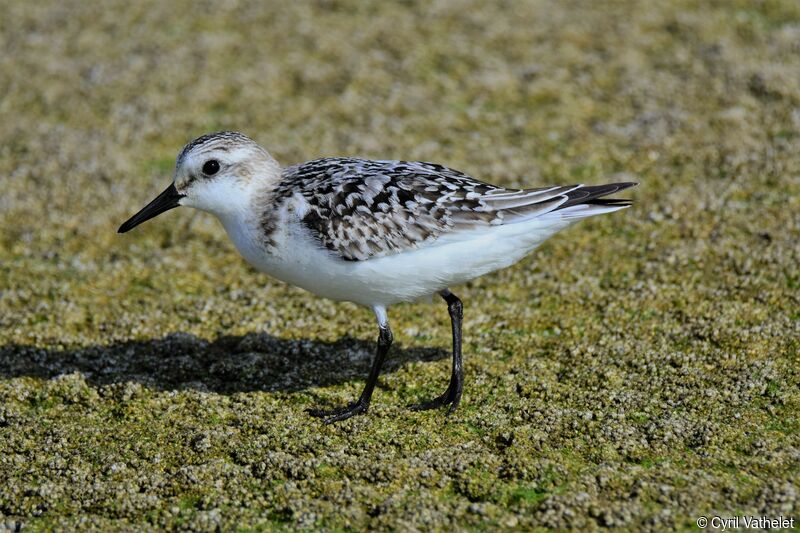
{"x": 339, "y": 413}
{"x": 451, "y": 397}
{"x": 437, "y": 402}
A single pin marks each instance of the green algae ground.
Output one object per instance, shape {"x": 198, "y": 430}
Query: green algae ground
{"x": 639, "y": 370}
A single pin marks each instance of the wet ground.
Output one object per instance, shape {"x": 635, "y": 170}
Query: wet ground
{"x": 639, "y": 370}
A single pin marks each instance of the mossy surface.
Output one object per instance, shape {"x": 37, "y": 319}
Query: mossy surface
{"x": 640, "y": 369}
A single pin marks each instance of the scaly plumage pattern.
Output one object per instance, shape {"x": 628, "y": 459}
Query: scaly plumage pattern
{"x": 361, "y": 209}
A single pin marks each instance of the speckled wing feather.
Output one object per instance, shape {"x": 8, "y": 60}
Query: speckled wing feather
{"x": 362, "y": 209}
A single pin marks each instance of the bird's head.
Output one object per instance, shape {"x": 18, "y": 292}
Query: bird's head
{"x": 217, "y": 173}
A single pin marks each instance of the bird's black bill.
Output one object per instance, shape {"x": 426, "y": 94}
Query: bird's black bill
{"x": 163, "y": 202}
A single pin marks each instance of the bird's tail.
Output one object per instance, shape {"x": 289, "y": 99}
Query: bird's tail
{"x": 585, "y": 201}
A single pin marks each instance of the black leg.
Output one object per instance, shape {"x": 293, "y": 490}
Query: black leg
{"x": 453, "y": 393}
{"x": 361, "y": 405}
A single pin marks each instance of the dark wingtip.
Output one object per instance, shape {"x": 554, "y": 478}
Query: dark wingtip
{"x": 611, "y": 202}
{"x": 591, "y": 194}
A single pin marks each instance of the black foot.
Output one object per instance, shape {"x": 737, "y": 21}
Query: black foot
{"x": 339, "y": 413}
{"x": 450, "y": 397}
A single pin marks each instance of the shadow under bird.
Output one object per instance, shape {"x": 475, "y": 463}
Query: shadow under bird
{"x": 371, "y": 232}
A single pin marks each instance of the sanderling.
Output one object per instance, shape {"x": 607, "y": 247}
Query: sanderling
{"x": 371, "y": 232}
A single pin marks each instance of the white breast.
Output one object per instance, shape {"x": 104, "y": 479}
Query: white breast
{"x": 451, "y": 260}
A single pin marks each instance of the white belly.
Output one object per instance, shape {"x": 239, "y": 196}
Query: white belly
{"x": 449, "y": 261}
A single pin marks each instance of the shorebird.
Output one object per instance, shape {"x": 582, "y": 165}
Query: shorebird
{"x": 371, "y": 232}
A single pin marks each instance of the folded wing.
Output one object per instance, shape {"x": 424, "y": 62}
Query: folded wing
{"x": 361, "y": 209}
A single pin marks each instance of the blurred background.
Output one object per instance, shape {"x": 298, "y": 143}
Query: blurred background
{"x": 639, "y": 370}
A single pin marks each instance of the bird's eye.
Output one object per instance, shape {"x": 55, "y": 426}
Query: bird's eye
{"x": 210, "y": 167}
